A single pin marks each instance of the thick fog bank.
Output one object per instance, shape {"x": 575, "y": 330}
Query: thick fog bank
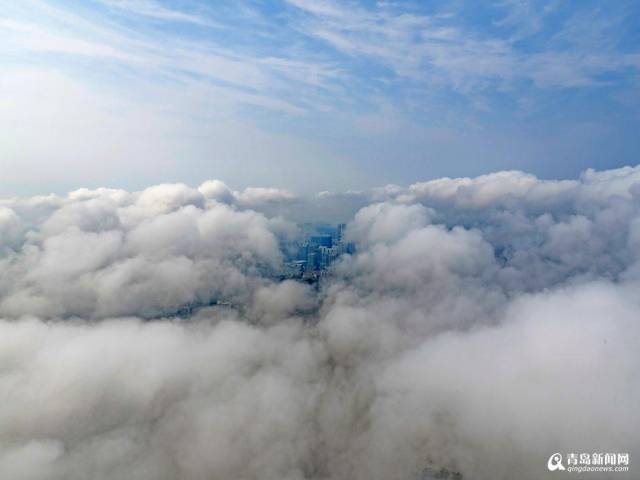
{"x": 483, "y": 325}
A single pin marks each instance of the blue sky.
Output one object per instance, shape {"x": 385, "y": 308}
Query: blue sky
{"x": 312, "y": 95}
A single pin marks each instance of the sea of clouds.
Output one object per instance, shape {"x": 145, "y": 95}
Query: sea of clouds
{"x": 483, "y": 325}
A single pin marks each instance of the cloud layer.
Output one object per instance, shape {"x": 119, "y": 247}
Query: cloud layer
{"x": 484, "y": 324}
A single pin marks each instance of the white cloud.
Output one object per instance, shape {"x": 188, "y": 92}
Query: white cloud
{"x": 481, "y": 318}
{"x": 437, "y": 50}
{"x": 154, "y": 10}
{"x": 143, "y": 253}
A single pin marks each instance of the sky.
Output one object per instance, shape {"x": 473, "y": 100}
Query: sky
{"x": 312, "y": 95}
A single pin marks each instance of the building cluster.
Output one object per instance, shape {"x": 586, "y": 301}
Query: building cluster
{"x": 319, "y": 247}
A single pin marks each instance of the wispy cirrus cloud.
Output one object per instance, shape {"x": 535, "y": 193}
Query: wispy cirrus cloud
{"x": 438, "y": 49}
{"x": 33, "y": 37}
{"x": 239, "y": 76}
{"x": 154, "y": 10}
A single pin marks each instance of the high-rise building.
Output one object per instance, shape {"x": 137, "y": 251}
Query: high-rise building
{"x": 312, "y": 260}
{"x": 321, "y": 240}
{"x": 321, "y": 245}
{"x": 303, "y": 251}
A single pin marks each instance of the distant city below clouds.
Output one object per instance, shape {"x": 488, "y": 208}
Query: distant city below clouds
{"x": 310, "y": 95}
